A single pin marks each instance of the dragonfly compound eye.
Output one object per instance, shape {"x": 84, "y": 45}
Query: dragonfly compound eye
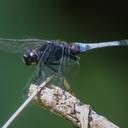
{"x": 30, "y": 57}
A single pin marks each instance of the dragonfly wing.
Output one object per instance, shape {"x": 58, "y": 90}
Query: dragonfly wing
{"x": 19, "y": 45}
{"x": 45, "y": 68}
{"x": 42, "y": 71}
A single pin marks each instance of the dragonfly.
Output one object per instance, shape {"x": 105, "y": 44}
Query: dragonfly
{"x": 52, "y": 54}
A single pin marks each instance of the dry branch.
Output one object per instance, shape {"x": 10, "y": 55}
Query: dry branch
{"x": 30, "y": 98}
{"x": 68, "y": 106}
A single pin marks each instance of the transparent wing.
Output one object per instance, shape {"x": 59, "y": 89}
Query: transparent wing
{"x": 19, "y": 45}
{"x": 42, "y": 71}
{"x": 46, "y": 66}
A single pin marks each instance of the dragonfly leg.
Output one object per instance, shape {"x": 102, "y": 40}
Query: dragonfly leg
{"x": 38, "y": 78}
{"x": 55, "y": 70}
{"x": 66, "y": 84}
{"x": 54, "y": 63}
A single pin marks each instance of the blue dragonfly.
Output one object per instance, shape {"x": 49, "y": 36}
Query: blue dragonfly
{"x": 53, "y": 54}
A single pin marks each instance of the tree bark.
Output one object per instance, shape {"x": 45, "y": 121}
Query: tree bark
{"x": 68, "y": 106}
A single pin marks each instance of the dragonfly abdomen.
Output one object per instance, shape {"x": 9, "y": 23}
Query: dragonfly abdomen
{"x": 83, "y": 47}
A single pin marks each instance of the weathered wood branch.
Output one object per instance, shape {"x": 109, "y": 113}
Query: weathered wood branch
{"x": 68, "y": 106}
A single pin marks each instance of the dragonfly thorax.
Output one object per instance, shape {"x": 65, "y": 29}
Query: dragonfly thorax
{"x": 30, "y": 57}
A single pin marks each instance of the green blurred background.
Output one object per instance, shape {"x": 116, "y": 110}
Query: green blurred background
{"x": 102, "y": 78}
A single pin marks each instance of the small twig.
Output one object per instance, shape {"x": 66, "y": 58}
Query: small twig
{"x": 68, "y": 106}
{"x": 34, "y": 93}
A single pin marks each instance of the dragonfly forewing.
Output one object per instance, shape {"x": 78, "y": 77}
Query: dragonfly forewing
{"x": 20, "y": 45}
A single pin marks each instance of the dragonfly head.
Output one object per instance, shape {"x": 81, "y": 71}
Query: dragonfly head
{"x": 30, "y": 57}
